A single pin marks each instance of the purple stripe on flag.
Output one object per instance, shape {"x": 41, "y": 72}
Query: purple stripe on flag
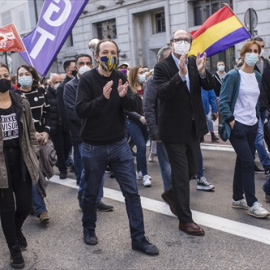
{"x": 55, "y": 23}
{"x": 228, "y": 41}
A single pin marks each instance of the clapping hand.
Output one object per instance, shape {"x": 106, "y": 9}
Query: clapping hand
{"x": 200, "y": 62}
{"x": 122, "y": 88}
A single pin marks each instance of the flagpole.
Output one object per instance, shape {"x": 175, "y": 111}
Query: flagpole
{"x": 6, "y": 60}
{"x": 28, "y": 55}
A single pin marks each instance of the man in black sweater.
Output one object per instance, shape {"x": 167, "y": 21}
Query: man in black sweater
{"x": 102, "y": 96}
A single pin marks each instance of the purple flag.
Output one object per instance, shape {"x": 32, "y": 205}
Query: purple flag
{"x": 56, "y": 21}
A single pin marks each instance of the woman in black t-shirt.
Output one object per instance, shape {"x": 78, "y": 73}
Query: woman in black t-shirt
{"x": 19, "y": 165}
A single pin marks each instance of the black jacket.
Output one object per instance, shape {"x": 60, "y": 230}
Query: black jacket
{"x": 54, "y": 116}
{"x": 178, "y": 107}
{"x": 61, "y": 105}
{"x": 74, "y": 122}
{"x": 150, "y": 107}
{"x": 264, "y": 99}
{"x": 103, "y": 119}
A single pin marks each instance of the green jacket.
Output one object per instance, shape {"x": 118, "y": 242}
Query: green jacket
{"x": 29, "y": 146}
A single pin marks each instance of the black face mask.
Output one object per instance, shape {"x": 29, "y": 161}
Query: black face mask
{"x": 4, "y": 85}
{"x": 74, "y": 73}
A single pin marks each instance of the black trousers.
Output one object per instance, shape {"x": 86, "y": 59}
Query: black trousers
{"x": 12, "y": 218}
{"x": 184, "y": 160}
{"x": 62, "y": 146}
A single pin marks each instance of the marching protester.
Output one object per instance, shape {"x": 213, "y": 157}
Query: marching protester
{"x": 62, "y": 137}
{"x": 19, "y": 165}
{"x": 182, "y": 122}
{"x": 239, "y": 107}
{"x": 28, "y": 82}
{"x": 151, "y": 108}
{"x": 83, "y": 64}
{"x": 136, "y": 123}
{"x": 102, "y": 96}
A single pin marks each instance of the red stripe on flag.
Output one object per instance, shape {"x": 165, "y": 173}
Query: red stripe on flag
{"x": 221, "y": 15}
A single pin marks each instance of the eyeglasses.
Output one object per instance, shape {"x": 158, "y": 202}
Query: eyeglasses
{"x": 180, "y": 40}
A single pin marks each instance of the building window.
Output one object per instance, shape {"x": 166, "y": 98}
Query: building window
{"x": 158, "y": 21}
{"x": 228, "y": 57}
{"x": 6, "y": 17}
{"x": 107, "y": 29}
{"x": 203, "y": 9}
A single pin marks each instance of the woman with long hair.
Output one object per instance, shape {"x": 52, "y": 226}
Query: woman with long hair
{"x": 29, "y": 87}
{"x": 136, "y": 123}
{"x": 239, "y": 108}
{"x": 19, "y": 165}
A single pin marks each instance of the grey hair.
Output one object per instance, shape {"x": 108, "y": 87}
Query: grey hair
{"x": 160, "y": 54}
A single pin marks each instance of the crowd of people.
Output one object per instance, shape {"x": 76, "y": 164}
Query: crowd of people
{"x": 95, "y": 115}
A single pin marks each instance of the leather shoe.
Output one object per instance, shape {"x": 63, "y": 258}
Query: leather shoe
{"x": 167, "y": 196}
{"x": 191, "y": 228}
{"x": 90, "y": 237}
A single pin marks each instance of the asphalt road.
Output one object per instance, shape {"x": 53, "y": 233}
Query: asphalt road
{"x": 233, "y": 240}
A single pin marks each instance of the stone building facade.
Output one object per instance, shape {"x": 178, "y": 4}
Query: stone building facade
{"x": 141, "y": 27}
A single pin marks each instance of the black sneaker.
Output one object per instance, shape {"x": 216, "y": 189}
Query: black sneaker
{"x": 90, "y": 237}
{"x": 17, "y": 261}
{"x": 101, "y": 206}
{"x": 267, "y": 170}
{"x": 63, "y": 175}
{"x": 257, "y": 169}
{"x": 22, "y": 241}
{"x": 142, "y": 244}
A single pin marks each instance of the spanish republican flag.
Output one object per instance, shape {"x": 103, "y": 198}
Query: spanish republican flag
{"x": 219, "y": 32}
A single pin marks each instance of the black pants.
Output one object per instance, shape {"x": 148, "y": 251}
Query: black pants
{"x": 62, "y": 146}
{"x": 13, "y": 218}
{"x": 184, "y": 160}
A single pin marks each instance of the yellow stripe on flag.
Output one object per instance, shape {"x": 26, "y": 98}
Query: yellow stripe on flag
{"x": 213, "y": 34}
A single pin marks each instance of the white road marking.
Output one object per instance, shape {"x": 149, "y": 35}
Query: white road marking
{"x": 216, "y": 147}
{"x": 222, "y": 224}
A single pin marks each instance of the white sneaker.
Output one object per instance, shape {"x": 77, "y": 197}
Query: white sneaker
{"x": 202, "y": 184}
{"x": 256, "y": 210}
{"x": 139, "y": 176}
{"x": 146, "y": 181}
{"x": 242, "y": 204}
{"x": 151, "y": 157}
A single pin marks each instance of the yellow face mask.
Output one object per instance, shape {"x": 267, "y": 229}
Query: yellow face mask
{"x": 108, "y": 63}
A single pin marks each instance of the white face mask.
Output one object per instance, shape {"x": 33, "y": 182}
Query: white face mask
{"x": 56, "y": 86}
{"x": 83, "y": 69}
{"x": 181, "y": 48}
{"x": 221, "y": 68}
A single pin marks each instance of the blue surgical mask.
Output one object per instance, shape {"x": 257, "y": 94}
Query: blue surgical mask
{"x": 221, "y": 68}
{"x": 25, "y": 81}
{"x": 251, "y": 59}
{"x": 142, "y": 78}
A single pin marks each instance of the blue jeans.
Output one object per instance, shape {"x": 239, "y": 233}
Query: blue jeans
{"x": 119, "y": 157}
{"x": 139, "y": 135}
{"x": 38, "y": 203}
{"x": 165, "y": 166}
{"x": 242, "y": 139}
{"x": 77, "y": 161}
{"x": 82, "y": 178}
{"x": 259, "y": 143}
